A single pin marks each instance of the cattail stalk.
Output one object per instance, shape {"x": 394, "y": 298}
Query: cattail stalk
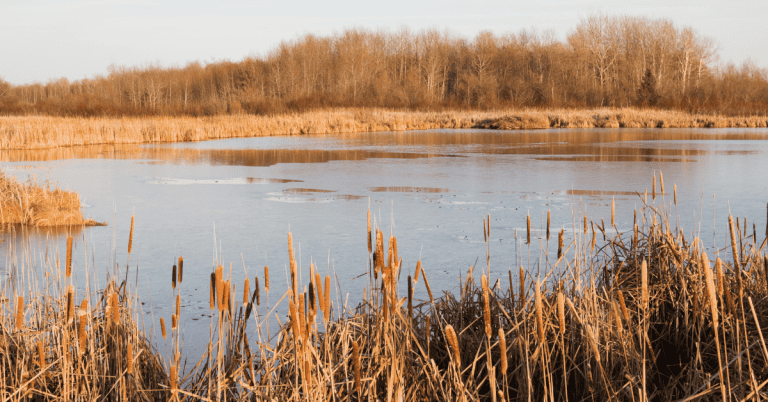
{"x": 69, "y": 257}
{"x": 410, "y": 298}
{"x": 712, "y": 296}
{"x": 356, "y": 361}
{"x": 453, "y": 342}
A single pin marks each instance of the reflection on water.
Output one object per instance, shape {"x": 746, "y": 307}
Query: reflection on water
{"x": 408, "y": 190}
{"x": 612, "y": 158}
{"x": 595, "y": 193}
{"x": 306, "y": 191}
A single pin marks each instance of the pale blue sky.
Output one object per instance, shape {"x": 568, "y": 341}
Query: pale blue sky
{"x": 44, "y": 40}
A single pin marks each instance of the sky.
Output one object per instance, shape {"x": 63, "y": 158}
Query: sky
{"x": 41, "y": 41}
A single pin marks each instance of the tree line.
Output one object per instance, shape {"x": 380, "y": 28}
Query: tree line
{"x": 605, "y": 61}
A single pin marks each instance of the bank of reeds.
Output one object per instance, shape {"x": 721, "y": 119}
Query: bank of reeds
{"x": 34, "y": 204}
{"x": 35, "y": 132}
{"x": 639, "y": 316}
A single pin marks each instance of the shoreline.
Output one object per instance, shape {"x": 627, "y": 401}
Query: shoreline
{"x": 42, "y": 132}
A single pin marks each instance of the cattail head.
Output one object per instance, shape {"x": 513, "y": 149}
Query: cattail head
{"x": 453, "y": 341}
{"x": 560, "y": 243}
{"x": 416, "y": 274}
{"x": 674, "y": 188}
{"x": 654, "y": 187}
{"x": 410, "y": 298}
{"x": 173, "y": 321}
{"x": 549, "y": 215}
{"x": 69, "y": 257}
{"x": 213, "y": 291}
{"x": 70, "y": 302}
{"x": 130, "y": 236}
{"x": 623, "y": 305}
{"x": 734, "y": 247}
{"x": 644, "y": 284}
{"x": 370, "y": 246}
{"x": 711, "y": 291}
{"x": 586, "y": 228}
{"x": 320, "y": 295}
{"x": 83, "y": 313}
{"x": 256, "y": 291}
{"x": 115, "y": 307}
{"x": 173, "y": 378}
{"x": 219, "y": 286}
{"x": 227, "y": 298}
{"x": 178, "y": 305}
{"x": 294, "y": 320}
{"x": 617, "y": 319}
{"x": 246, "y": 291}
{"x": 661, "y": 182}
{"x": 327, "y": 294}
{"x": 19, "y": 313}
{"x": 266, "y": 279}
{"x": 720, "y": 276}
{"x": 539, "y": 314}
{"x": 181, "y": 268}
{"x": 302, "y": 317}
{"x": 561, "y": 312}
{"x": 129, "y": 357}
{"x": 613, "y": 211}
{"x": 162, "y": 327}
{"x": 173, "y": 278}
{"x": 528, "y": 229}
{"x": 503, "y": 350}
{"x": 356, "y": 361}
{"x": 486, "y": 307}
{"x": 522, "y": 288}
{"x": 40, "y": 354}
{"x": 426, "y": 284}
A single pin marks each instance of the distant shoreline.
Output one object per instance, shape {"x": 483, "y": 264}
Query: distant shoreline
{"x": 41, "y": 132}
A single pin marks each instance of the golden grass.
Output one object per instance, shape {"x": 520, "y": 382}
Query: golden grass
{"x": 38, "y": 132}
{"x": 641, "y": 323}
{"x": 39, "y": 205}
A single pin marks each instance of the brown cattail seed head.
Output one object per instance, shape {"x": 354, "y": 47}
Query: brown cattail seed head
{"x": 720, "y": 276}
{"x": 115, "y": 307}
{"x": 503, "y": 350}
{"x": 70, "y": 302}
{"x": 661, "y": 181}
{"x": 213, "y": 291}
{"x": 644, "y": 283}
{"x": 617, "y": 319}
{"x": 453, "y": 341}
{"x": 734, "y": 247}
{"x": 173, "y": 278}
{"x": 40, "y": 354}
{"x": 486, "y": 307}
{"x": 410, "y": 298}
{"x": 266, "y": 278}
{"x": 173, "y": 321}
{"x": 560, "y": 243}
{"x": 623, "y": 305}
{"x": 416, "y": 274}
{"x": 220, "y": 287}
{"x": 356, "y": 360}
{"x": 246, "y": 291}
{"x": 302, "y": 317}
{"x": 129, "y": 357}
{"x": 613, "y": 211}
{"x": 69, "y": 257}
{"x": 178, "y": 305}
{"x": 528, "y": 229}
{"x": 181, "y": 268}
{"x": 19, "y": 313}
{"x": 162, "y": 327}
{"x": 522, "y": 288}
{"x": 294, "y": 320}
{"x": 675, "y": 190}
{"x": 256, "y": 291}
{"x": 320, "y": 295}
{"x": 173, "y": 378}
{"x": 654, "y": 187}
{"x": 130, "y": 236}
{"x": 370, "y": 246}
{"x": 426, "y": 283}
{"x": 327, "y": 295}
{"x": 549, "y": 215}
{"x": 586, "y": 229}
{"x": 561, "y": 312}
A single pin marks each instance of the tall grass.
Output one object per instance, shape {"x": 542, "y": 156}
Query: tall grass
{"x": 37, "y": 132}
{"x": 39, "y": 205}
{"x": 636, "y": 317}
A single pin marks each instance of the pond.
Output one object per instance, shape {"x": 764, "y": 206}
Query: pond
{"x": 234, "y": 201}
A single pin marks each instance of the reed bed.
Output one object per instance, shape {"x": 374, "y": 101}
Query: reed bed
{"x": 34, "y": 204}
{"x": 637, "y": 316}
{"x": 38, "y": 132}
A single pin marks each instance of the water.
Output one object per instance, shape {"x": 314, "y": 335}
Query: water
{"x": 233, "y": 201}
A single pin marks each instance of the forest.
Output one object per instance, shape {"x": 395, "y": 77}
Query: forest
{"x": 605, "y": 61}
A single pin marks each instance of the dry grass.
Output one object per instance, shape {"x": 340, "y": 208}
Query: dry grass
{"x": 33, "y": 204}
{"x": 644, "y": 321}
{"x": 37, "y": 132}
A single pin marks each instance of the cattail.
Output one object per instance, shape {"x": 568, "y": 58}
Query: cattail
{"x": 256, "y": 291}
{"x": 356, "y": 360}
{"x": 539, "y": 314}
{"x": 129, "y": 357}
{"x": 503, "y": 350}
{"x": 711, "y": 292}
{"x": 173, "y": 278}
{"x": 227, "y": 299}
{"x": 453, "y": 341}
{"x": 173, "y": 321}
{"x": 410, "y": 298}
{"x": 70, "y": 302}
{"x": 522, "y": 288}
{"x": 594, "y": 237}
{"x": 549, "y": 215}
{"x": 661, "y": 181}
{"x": 489, "y": 225}
{"x": 528, "y": 226}
{"x": 115, "y": 306}
{"x": 327, "y": 295}
{"x": 644, "y": 284}
{"x": 266, "y": 279}
{"x": 617, "y": 319}
{"x": 418, "y": 270}
{"x": 623, "y": 305}
{"x": 637, "y": 238}
{"x": 674, "y": 188}
{"x": 320, "y": 296}
{"x": 219, "y": 286}
{"x": 765, "y": 269}
{"x": 720, "y": 276}
{"x": 613, "y": 211}
{"x": 246, "y": 291}
{"x": 729, "y": 298}
{"x": 173, "y": 378}
{"x": 162, "y": 327}
{"x": 69, "y": 256}
{"x": 385, "y": 303}
{"x": 40, "y": 354}
{"x": 426, "y": 283}
{"x": 734, "y": 248}
{"x": 213, "y": 290}
{"x": 19, "y": 313}
{"x": 302, "y": 317}
{"x": 181, "y": 267}
{"x": 83, "y": 313}
{"x": 130, "y": 236}
{"x": 561, "y": 312}
{"x": 654, "y": 187}
{"x": 486, "y": 306}
{"x": 485, "y": 232}
{"x": 370, "y": 246}
{"x": 560, "y": 243}
{"x": 586, "y": 229}
{"x": 294, "y": 279}
{"x": 294, "y": 320}
{"x": 178, "y": 305}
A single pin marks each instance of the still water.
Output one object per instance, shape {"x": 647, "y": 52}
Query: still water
{"x": 234, "y": 201}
